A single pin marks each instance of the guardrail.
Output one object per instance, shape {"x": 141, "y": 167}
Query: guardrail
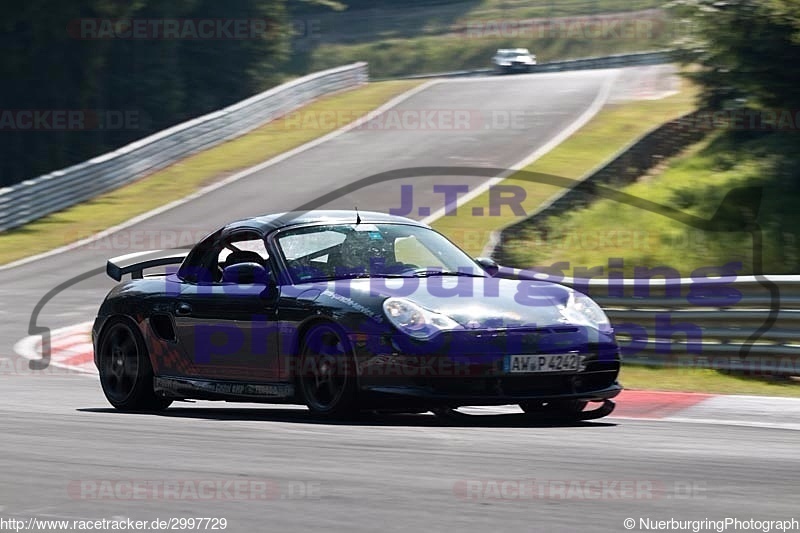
{"x": 742, "y": 323}
{"x": 35, "y": 198}
{"x": 612, "y": 61}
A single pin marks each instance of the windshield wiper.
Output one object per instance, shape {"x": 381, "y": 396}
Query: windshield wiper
{"x": 420, "y": 274}
{"x": 356, "y": 275}
{"x": 428, "y": 273}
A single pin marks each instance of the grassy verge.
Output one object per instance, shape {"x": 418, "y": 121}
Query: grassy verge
{"x": 695, "y": 182}
{"x": 705, "y": 380}
{"x": 609, "y": 131}
{"x": 413, "y": 18}
{"x": 404, "y": 57}
{"x": 522, "y": 9}
{"x": 186, "y": 176}
{"x": 464, "y": 35}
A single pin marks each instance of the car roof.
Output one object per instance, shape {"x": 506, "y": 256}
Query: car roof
{"x": 513, "y": 50}
{"x": 270, "y": 222}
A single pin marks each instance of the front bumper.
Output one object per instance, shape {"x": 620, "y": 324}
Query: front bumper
{"x": 516, "y": 67}
{"x": 475, "y": 375}
{"x": 492, "y": 393}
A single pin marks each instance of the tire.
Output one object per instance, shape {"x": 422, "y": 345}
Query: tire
{"x": 327, "y": 378}
{"x": 564, "y": 409}
{"x": 126, "y": 374}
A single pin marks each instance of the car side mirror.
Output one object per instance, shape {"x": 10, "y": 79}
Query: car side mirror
{"x": 488, "y": 265}
{"x": 245, "y": 274}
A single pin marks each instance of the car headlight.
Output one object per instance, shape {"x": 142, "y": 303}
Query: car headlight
{"x": 415, "y": 320}
{"x": 581, "y": 309}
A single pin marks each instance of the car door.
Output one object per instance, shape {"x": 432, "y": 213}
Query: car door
{"x": 228, "y": 330}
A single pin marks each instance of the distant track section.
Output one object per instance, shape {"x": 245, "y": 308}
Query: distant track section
{"x": 613, "y": 61}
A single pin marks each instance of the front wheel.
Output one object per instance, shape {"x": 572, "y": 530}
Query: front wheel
{"x": 126, "y": 374}
{"x": 327, "y": 375}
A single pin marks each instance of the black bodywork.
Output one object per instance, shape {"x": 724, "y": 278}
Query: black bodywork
{"x": 211, "y": 337}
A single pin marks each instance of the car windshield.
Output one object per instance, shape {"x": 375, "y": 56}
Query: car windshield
{"x": 514, "y": 53}
{"x": 340, "y": 251}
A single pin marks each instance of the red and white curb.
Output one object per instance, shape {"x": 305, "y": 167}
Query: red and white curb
{"x": 689, "y": 407}
{"x": 70, "y": 348}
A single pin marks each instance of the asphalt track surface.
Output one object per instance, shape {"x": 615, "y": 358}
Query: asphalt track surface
{"x": 391, "y": 473}
{"x": 387, "y": 473}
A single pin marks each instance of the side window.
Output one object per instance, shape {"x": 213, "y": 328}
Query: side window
{"x": 243, "y": 251}
{"x": 243, "y": 248}
{"x": 311, "y": 253}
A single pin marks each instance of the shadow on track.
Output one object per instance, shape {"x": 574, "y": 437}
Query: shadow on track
{"x": 303, "y": 416}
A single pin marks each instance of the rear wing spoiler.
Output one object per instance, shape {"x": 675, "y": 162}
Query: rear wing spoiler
{"x": 131, "y": 263}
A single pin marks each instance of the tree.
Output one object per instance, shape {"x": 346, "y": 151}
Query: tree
{"x": 747, "y": 51}
{"x": 49, "y": 65}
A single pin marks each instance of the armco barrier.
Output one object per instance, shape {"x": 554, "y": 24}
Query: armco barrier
{"x": 731, "y": 322}
{"x": 613, "y": 61}
{"x": 35, "y": 198}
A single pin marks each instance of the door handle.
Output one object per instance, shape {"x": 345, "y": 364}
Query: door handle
{"x": 183, "y": 310}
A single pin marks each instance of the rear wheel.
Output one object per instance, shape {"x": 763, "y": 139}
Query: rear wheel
{"x": 327, "y": 373}
{"x": 126, "y": 374}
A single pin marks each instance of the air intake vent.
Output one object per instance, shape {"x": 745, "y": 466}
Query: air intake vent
{"x": 162, "y": 326}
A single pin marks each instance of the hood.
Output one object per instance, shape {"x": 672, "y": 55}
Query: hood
{"x": 475, "y": 303}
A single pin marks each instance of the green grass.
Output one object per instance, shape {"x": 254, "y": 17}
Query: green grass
{"x": 465, "y": 35}
{"x": 705, "y": 380}
{"x": 695, "y": 182}
{"x": 610, "y": 130}
{"x": 522, "y": 9}
{"x": 403, "y": 57}
{"x": 415, "y": 19}
{"x": 186, "y": 176}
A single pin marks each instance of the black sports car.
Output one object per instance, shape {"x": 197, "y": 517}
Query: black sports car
{"x": 344, "y": 312}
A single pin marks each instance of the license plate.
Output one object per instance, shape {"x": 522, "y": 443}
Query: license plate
{"x": 563, "y": 362}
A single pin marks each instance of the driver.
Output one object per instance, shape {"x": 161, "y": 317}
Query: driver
{"x": 364, "y": 251}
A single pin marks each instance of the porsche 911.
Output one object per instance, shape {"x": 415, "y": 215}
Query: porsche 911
{"x": 345, "y": 312}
